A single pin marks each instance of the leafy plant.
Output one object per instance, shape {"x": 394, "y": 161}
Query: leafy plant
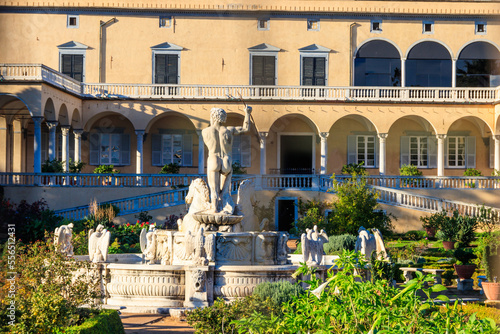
{"x": 311, "y": 218}
{"x": 467, "y": 226}
{"x": 171, "y": 168}
{"x": 76, "y": 166}
{"x": 143, "y": 217}
{"x": 52, "y": 166}
{"x": 488, "y": 248}
{"x": 106, "y": 169}
{"x": 464, "y": 256}
{"x": 495, "y": 172}
{"x": 337, "y": 243}
{"x": 434, "y": 221}
{"x": 449, "y": 227}
{"x": 355, "y": 206}
{"x": 171, "y": 222}
{"x": 354, "y": 169}
{"x": 415, "y": 235}
{"x": 472, "y": 172}
{"x": 409, "y": 170}
{"x": 238, "y": 169}
{"x": 278, "y": 292}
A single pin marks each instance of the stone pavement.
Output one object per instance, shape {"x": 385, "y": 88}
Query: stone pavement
{"x": 144, "y": 323}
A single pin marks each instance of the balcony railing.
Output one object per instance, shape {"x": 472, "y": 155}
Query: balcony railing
{"x": 38, "y": 72}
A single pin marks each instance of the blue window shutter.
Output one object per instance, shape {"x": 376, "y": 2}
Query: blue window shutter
{"x": 446, "y": 143}
{"x": 432, "y": 151}
{"x": 236, "y": 150}
{"x": 125, "y": 150}
{"x": 187, "y": 150}
{"x": 246, "y": 151}
{"x": 470, "y": 150}
{"x": 404, "y": 151}
{"x": 377, "y": 151}
{"x": 492, "y": 153}
{"x": 94, "y": 142}
{"x": 351, "y": 149}
{"x": 156, "y": 150}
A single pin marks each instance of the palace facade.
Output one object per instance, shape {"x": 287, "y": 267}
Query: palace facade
{"x": 131, "y": 84}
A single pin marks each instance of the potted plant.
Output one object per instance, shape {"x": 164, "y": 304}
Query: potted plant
{"x": 171, "y": 168}
{"x": 354, "y": 169}
{"x": 463, "y": 265}
{"x": 449, "y": 230}
{"x": 474, "y": 173}
{"x": 52, "y": 166}
{"x": 238, "y": 169}
{"x": 409, "y": 170}
{"x": 491, "y": 264}
{"x": 106, "y": 169}
{"x": 432, "y": 223}
{"x": 76, "y": 166}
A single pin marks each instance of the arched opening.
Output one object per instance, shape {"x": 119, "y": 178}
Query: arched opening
{"x": 377, "y": 63}
{"x": 428, "y": 65}
{"x": 478, "y": 65}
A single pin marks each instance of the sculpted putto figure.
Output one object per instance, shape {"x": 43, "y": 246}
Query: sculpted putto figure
{"x": 312, "y": 245}
{"x": 219, "y": 141}
{"x": 148, "y": 244}
{"x": 98, "y": 244}
{"x": 365, "y": 243}
{"x": 62, "y": 239}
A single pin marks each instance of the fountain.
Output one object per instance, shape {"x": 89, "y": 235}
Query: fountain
{"x": 220, "y": 250}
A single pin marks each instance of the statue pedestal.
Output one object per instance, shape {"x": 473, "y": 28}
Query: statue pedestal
{"x": 199, "y": 286}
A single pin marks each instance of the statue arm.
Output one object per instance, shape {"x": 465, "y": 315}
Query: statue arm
{"x": 246, "y": 123}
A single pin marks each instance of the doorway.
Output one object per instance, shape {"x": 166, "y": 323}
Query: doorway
{"x": 296, "y": 154}
{"x": 285, "y": 213}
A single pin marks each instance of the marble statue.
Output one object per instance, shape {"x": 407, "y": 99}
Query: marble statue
{"x": 245, "y": 207}
{"x": 312, "y": 245}
{"x": 199, "y": 199}
{"x": 149, "y": 244}
{"x": 219, "y": 141}
{"x": 98, "y": 244}
{"x": 365, "y": 243}
{"x": 282, "y": 249}
{"x": 379, "y": 240}
{"x": 62, "y": 239}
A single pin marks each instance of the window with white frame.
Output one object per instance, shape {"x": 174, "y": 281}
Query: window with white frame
{"x": 166, "y": 64}
{"x": 263, "y": 24}
{"x": 72, "y": 60}
{"x": 263, "y": 60}
{"x": 313, "y": 25}
{"x": 480, "y": 28}
{"x": 109, "y": 149}
{"x": 73, "y": 21}
{"x": 242, "y": 150}
{"x": 460, "y": 152}
{"x": 428, "y": 27}
{"x": 419, "y": 150}
{"x": 363, "y": 148}
{"x": 376, "y": 26}
{"x": 165, "y": 21}
{"x": 172, "y": 148}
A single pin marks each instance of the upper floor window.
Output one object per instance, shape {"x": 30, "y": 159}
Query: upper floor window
{"x": 480, "y": 28}
{"x": 166, "y": 63}
{"x": 313, "y": 25}
{"x": 73, "y": 21}
{"x": 263, "y": 58}
{"x": 314, "y": 65}
{"x": 72, "y": 60}
{"x": 478, "y": 66}
{"x": 428, "y": 27}
{"x": 376, "y": 26}
{"x": 165, "y": 21}
{"x": 263, "y": 24}
{"x": 377, "y": 63}
{"x": 109, "y": 149}
{"x": 172, "y": 148}
{"x": 428, "y": 64}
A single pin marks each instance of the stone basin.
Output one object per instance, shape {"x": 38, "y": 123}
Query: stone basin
{"x": 210, "y": 218}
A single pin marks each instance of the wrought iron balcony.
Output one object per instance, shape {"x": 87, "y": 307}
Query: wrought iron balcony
{"x": 120, "y": 91}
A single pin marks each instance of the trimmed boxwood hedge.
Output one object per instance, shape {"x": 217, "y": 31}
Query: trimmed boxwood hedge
{"x": 107, "y": 321}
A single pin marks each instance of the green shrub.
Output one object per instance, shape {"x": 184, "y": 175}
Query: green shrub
{"x": 171, "y": 168}
{"x": 409, "y": 170}
{"x": 337, "y": 243}
{"x": 472, "y": 172}
{"x": 433, "y": 221}
{"x": 354, "y": 169}
{"x": 238, "y": 169}
{"x": 464, "y": 255}
{"x": 76, "y": 166}
{"x": 107, "y": 321}
{"x": 311, "y": 218}
{"x": 278, "y": 292}
{"x": 106, "y": 169}
{"x": 52, "y": 166}
{"x": 495, "y": 172}
{"x": 415, "y": 235}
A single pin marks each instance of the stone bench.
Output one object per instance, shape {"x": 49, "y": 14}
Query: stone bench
{"x": 408, "y": 273}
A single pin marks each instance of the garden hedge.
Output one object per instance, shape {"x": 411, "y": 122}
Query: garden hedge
{"x": 107, "y": 321}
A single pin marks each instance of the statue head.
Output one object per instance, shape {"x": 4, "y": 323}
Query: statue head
{"x": 218, "y": 115}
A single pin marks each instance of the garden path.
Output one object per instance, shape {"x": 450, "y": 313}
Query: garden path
{"x": 141, "y": 323}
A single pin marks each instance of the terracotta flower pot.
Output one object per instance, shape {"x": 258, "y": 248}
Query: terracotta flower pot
{"x": 491, "y": 290}
{"x": 465, "y": 271}
{"x": 449, "y": 245}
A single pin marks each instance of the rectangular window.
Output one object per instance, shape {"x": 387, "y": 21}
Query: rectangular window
{"x": 110, "y": 149}
{"x": 313, "y": 71}
{"x": 313, "y": 24}
{"x": 242, "y": 150}
{"x": 427, "y": 27}
{"x": 73, "y": 21}
{"x": 172, "y": 148}
{"x": 165, "y": 21}
{"x": 263, "y": 70}
{"x": 376, "y": 26}
{"x": 365, "y": 150}
{"x": 263, "y": 24}
{"x": 166, "y": 68}
{"x": 480, "y": 28}
{"x": 456, "y": 152}
{"x": 72, "y": 65}
{"x": 418, "y": 151}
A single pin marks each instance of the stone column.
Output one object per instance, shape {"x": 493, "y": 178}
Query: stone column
{"x": 37, "y": 145}
{"x": 496, "y": 138}
{"x": 441, "y": 141}
{"x": 65, "y": 147}
{"x": 78, "y": 145}
{"x": 201, "y": 153}
{"x": 4, "y": 142}
{"x": 52, "y": 139}
{"x": 453, "y": 73}
{"x": 263, "y": 142}
{"x": 324, "y": 151}
{"x": 403, "y": 72}
{"x": 382, "y": 139}
{"x": 17, "y": 146}
{"x": 139, "y": 156}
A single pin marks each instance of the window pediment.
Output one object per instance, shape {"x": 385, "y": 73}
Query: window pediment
{"x": 264, "y": 47}
{"x": 72, "y": 45}
{"x": 167, "y": 47}
{"x": 315, "y": 48}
